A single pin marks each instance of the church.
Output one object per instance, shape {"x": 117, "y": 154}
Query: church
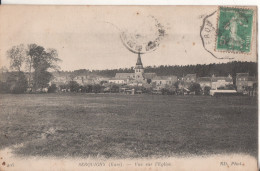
{"x": 139, "y": 77}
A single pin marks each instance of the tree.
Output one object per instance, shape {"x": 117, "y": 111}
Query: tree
{"x": 165, "y": 91}
{"x": 52, "y": 88}
{"x": 255, "y": 89}
{"x": 73, "y": 86}
{"x": 103, "y": 82}
{"x": 255, "y": 86}
{"x": 41, "y": 79}
{"x": 149, "y": 81}
{"x": 201, "y": 70}
{"x": 96, "y": 88}
{"x": 4, "y": 88}
{"x": 230, "y": 87}
{"x": 62, "y": 87}
{"x": 195, "y": 87}
{"x": 17, "y": 56}
{"x": 41, "y": 61}
{"x": 206, "y": 90}
{"x": 17, "y": 83}
{"x": 83, "y": 89}
{"x": 176, "y": 84}
{"x": 114, "y": 88}
{"x": 32, "y": 51}
{"x": 89, "y": 88}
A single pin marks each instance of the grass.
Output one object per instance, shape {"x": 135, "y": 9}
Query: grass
{"x": 125, "y": 126}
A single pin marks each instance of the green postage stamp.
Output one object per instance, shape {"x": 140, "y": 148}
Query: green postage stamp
{"x": 234, "y": 30}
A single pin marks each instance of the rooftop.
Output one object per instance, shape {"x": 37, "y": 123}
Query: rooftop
{"x": 242, "y": 74}
{"x": 228, "y": 79}
{"x": 251, "y": 78}
{"x": 200, "y": 79}
{"x": 124, "y": 75}
{"x": 150, "y": 75}
{"x": 165, "y": 77}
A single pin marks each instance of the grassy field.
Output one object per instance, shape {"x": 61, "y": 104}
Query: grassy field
{"x": 125, "y": 126}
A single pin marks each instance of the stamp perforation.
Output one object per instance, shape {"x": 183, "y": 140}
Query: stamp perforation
{"x": 217, "y": 31}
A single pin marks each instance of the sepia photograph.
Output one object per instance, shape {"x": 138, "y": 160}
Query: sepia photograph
{"x": 128, "y": 88}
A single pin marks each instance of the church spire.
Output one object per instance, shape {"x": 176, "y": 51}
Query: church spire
{"x": 139, "y": 64}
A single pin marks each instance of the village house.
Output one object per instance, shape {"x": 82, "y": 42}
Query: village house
{"x": 217, "y": 82}
{"x": 60, "y": 78}
{"x": 204, "y": 82}
{"x": 125, "y": 75}
{"x": 149, "y": 77}
{"x": 212, "y": 82}
{"x": 243, "y": 80}
{"x": 164, "y": 81}
{"x": 117, "y": 80}
{"x": 122, "y": 78}
{"x": 80, "y": 79}
{"x": 188, "y": 80}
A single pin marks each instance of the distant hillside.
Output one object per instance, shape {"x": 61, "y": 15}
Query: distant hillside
{"x": 222, "y": 69}
{"x": 201, "y": 70}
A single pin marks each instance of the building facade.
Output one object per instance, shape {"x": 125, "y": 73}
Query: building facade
{"x": 217, "y": 82}
{"x": 204, "y": 82}
{"x": 244, "y": 81}
{"x": 164, "y": 81}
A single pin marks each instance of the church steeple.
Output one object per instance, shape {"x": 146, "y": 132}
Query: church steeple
{"x": 139, "y": 69}
{"x": 139, "y": 64}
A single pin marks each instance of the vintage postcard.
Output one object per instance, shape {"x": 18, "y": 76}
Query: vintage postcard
{"x": 128, "y": 88}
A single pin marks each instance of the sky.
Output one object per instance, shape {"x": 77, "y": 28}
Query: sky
{"x": 88, "y": 37}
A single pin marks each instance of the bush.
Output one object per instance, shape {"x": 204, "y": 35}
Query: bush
{"x": 4, "y": 88}
{"x": 195, "y": 87}
{"x": 73, "y": 86}
{"x": 89, "y": 88}
{"x": 82, "y": 89}
{"x": 231, "y": 87}
{"x": 96, "y": 88}
{"x": 62, "y": 87}
{"x": 16, "y": 82}
{"x": 168, "y": 91}
{"x": 52, "y": 88}
{"x": 206, "y": 90}
{"x": 114, "y": 89}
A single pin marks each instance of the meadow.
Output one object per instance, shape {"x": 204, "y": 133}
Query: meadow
{"x": 127, "y": 126}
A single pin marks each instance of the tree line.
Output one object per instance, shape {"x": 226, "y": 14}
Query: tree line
{"x": 34, "y": 60}
{"x": 202, "y": 70}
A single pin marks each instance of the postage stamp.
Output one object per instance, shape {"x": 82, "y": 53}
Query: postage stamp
{"x": 234, "y": 30}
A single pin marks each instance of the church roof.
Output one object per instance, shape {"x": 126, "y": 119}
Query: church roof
{"x": 149, "y": 75}
{"x": 118, "y": 79}
{"x": 124, "y": 75}
{"x": 172, "y": 77}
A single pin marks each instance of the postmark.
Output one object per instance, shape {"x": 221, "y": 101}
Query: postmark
{"x": 234, "y": 30}
{"x": 146, "y": 40}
